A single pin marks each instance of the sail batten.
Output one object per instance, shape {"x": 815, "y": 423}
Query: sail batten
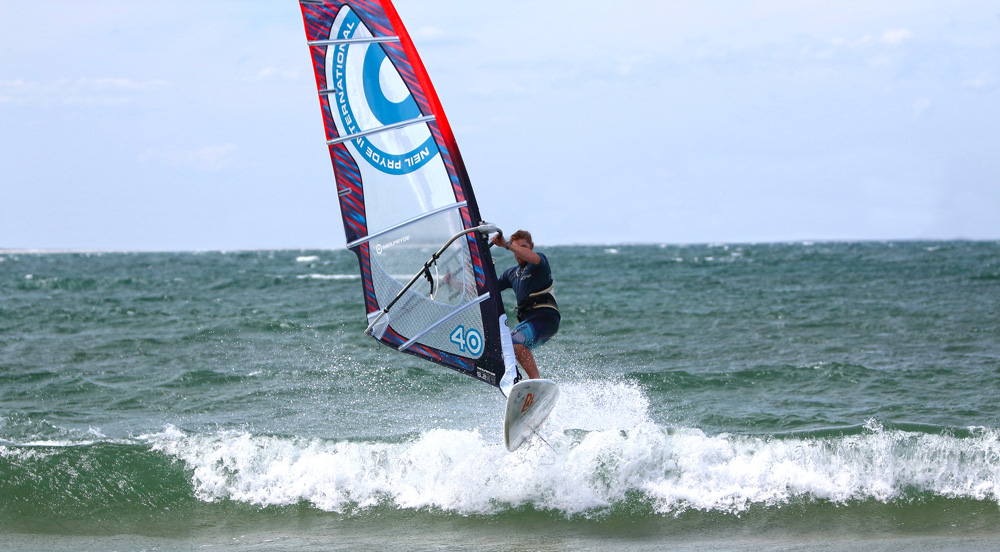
{"x": 370, "y": 237}
{"x": 447, "y": 317}
{"x": 406, "y": 202}
{"x": 384, "y": 128}
{"x": 362, "y": 40}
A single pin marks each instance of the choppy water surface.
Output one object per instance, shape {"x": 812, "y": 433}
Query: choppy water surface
{"x": 721, "y": 393}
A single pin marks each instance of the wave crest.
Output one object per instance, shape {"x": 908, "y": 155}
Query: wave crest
{"x": 589, "y": 469}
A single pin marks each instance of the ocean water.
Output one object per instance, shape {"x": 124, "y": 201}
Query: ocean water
{"x": 827, "y": 396}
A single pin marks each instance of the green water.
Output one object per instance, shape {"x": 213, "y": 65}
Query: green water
{"x": 713, "y": 397}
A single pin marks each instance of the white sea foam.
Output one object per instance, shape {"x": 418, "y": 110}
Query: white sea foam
{"x": 21, "y": 453}
{"x": 53, "y": 444}
{"x": 307, "y": 259}
{"x": 605, "y": 448}
{"x": 328, "y": 276}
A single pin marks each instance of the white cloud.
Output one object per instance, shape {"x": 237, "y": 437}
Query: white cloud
{"x": 985, "y": 82}
{"x": 428, "y": 33}
{"x": 120, "y": 83}
{"x": 896, "y": 36}
{"x": 211, "y": 158}
{"x": 428, "y": 36}
{"x": 274, "y": 74}
{"x": 892, "y": 37}
{"x": 843, "y": 42}
{"x": 76, "y": 91}
{"x": 920, "y": 107}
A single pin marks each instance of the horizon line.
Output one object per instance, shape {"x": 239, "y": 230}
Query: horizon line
{"x": 65, "y": 250}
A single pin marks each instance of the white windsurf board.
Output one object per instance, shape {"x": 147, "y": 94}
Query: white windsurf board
{"x": 528, "y": 405}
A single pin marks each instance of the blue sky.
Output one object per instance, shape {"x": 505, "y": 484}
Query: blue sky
{"x": 195, "y": 125}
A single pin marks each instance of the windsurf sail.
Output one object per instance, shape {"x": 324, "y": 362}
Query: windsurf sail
{"x": 408, "y": 209}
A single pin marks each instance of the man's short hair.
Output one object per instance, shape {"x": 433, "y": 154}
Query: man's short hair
{"x": 522, "y": 235}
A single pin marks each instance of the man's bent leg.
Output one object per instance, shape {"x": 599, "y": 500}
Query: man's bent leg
{"x": 526, "y": 360}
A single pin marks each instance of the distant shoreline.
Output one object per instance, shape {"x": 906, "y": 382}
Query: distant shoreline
{"x": 53, "y": 251}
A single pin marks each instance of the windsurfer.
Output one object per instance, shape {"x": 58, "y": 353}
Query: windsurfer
{"x": 537, "y": 312}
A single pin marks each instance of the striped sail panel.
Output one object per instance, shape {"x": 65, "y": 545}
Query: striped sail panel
{"x": 403, "y": 189}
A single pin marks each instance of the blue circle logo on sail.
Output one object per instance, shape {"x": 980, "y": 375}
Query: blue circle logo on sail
{"x": 386, "y": 99}
{"x": 377, "y": 70}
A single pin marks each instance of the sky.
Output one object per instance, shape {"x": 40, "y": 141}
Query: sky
{"x": 194, "y": 124}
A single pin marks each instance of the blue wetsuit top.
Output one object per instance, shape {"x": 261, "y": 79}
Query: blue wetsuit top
{"x": 532, "y": 285}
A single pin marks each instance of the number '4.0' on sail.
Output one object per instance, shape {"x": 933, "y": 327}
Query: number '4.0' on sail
{"x": 408, "y": 208}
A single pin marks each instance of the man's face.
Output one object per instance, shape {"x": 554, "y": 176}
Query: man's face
{"x": 522, "y": 243}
